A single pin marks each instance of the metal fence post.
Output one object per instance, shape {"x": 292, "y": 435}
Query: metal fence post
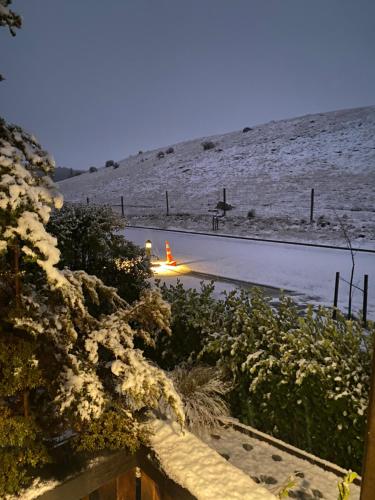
{"x": 312, "y": 206}
{"x": 336, "y": 296}
{"x": 224, "y": 201}
{"x": 365, "y": 294}
{"x": 88, "y": 200}
{"x": 167, "y": 202}
{"x": 122, "y": 206}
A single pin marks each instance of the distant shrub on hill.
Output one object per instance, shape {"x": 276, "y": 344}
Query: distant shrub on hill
{"x": 223, "y": 206}
{"x": 116, "y": 165}
{"x": 169, "y": 151}
{"x": 160, "y": 155}
{"x": 246, "y": 129}
{"x": 109, "y": 163}
{"x": 92, "y": 170}
{"x": 206, "y": 145}
{"x": 251, "y": 214}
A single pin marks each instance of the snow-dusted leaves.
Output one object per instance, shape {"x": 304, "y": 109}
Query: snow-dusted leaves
{"x": 27, "y": 196}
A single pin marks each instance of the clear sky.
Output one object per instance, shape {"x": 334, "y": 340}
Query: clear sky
{"x": 97, "y": 80}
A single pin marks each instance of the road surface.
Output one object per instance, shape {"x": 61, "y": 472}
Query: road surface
{"x": 307, "y": 271}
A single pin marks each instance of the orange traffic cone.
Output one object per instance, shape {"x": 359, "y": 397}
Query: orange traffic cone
{"x": 170, "y": 260}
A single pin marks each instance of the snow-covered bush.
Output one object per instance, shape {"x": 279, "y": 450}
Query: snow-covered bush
{"x": 88, "y": 239}
{"x": 191, "y": 322}
{"x": 92, "y": 170}
{"x": 68, "y": 360}
{"x": 304, "y": 379}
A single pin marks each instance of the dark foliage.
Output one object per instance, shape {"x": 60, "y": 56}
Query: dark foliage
{"x": 251, "y": 214}
{"x": 223, "y": 206}
{"x": 206, "y": 145}
{"x": 88, "y": 240}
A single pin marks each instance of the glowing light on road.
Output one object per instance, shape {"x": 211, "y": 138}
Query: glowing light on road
{"x": 161, "y": 268}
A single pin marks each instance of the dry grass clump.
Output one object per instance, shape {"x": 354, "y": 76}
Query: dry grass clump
{"x": 202, "y": 391}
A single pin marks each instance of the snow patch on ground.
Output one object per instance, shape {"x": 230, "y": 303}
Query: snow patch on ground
{"x": 199, "y": 469}
{"x": 272, "y": 467}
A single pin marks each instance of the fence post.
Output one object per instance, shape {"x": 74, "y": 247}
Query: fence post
{"x": 336, "y": 296}
{"x": 122, "y": 206}
{"x": 365, "y": 294}
{"x": 88, "y": 200}
{"x": 312, "y": 206}
{"x": 224, "y": 201}
{"x": 167, "y": 202}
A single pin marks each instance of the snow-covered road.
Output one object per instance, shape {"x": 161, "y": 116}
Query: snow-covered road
{"x": 306, "y": 270}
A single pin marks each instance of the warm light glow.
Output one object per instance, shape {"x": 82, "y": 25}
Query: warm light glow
{"x": 148, "y": 245}
{"x": 161, "y": 268}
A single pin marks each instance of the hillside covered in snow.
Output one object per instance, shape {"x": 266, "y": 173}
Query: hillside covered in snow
{"x": 268, "y": 172}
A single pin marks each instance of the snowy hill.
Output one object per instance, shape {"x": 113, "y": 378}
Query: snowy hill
{"x": 271, "y": 169}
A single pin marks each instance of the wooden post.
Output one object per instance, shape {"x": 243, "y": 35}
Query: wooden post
{"x": 138, "y": 484}
{"x": 122, "y": 206}
{"x": 224, "y": 201}
{"x": 368, "y": 474}
{"x": 167, "y": 202}
{"x": 88, "y": 200}
{"x": 365, "y": 294}
{"x": 336, "y": 296}
{"x": 312, "y": 206}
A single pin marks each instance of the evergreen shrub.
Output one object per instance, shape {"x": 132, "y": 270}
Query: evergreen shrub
{"x": 207, "y": 145}
{"x": 302, "y": 378}
{"x": 88, "y": 239}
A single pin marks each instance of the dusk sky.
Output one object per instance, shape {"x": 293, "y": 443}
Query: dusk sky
{"x": 97, "y": 80}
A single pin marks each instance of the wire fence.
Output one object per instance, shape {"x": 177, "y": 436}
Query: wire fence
{"x": 304, "y": 205}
